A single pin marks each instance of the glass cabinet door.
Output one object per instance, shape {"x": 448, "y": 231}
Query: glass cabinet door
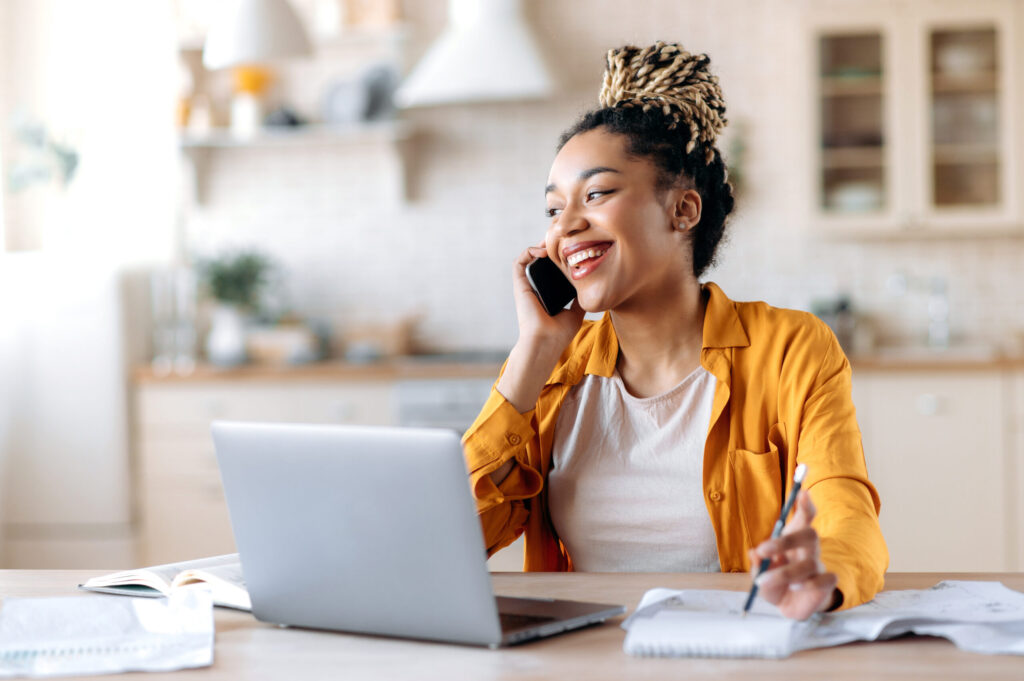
{"x": 966, "y": 130}
{"x": 852, "y": 123}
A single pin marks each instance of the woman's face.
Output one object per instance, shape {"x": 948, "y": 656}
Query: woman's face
{"x": 612, "y": 232}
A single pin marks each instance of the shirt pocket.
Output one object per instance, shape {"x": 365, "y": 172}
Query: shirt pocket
{"x": 758, "y": 480}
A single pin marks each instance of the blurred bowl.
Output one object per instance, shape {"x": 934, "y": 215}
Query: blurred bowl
{"x": 855, "y": 197}
{"x": 961, "y": 59}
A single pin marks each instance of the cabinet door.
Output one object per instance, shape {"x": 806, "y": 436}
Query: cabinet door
{"x": 912, "y": 117}
{"x": 936, "y": 449}
{"x": 1015, "y": 480}
{"x": 857, "y": 62}
{"x": 966, "y": 113}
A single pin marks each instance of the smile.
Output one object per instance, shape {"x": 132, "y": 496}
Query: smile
{"x": 583, "y": 262}
{"x": 579, "y": 256}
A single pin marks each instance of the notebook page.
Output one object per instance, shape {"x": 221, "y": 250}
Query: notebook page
{"x": 708, "y": 623}
{"x": 983, "y": 617}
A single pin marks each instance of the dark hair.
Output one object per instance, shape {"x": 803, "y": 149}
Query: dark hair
{"x": 650, "y": 116}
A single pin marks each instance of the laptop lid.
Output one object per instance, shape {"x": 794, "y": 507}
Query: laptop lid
{"x": 355, "y": 528}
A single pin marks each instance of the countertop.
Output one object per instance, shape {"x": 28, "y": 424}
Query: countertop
{"x": 484, "y": 365}
{"x": 398, "y": 369}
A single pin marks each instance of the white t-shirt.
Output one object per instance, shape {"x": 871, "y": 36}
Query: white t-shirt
{"x": 625, "y": 489}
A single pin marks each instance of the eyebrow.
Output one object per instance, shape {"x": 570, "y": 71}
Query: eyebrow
{"x": 585, "y": 175}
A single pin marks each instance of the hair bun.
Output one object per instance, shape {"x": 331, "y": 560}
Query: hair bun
{"x": 666, "y": 76}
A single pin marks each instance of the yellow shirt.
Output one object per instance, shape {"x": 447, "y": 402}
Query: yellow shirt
{"x": 782, "y": 398}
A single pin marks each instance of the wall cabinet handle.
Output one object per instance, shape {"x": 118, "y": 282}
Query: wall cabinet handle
{"x": 929, "y": 404}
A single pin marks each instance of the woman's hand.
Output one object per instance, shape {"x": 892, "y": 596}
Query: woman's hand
{"x": 542, "y": 338}
{"x": 536, "y": 326}
{"x": 796, "y": 580}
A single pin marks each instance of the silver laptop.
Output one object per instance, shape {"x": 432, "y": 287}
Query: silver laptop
{"x": 371, "y": 530}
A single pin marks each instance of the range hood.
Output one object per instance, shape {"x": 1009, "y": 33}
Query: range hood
{"x": 485, "y": 53}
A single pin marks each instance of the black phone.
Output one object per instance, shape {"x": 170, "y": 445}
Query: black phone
{"x": 549, "y": 283}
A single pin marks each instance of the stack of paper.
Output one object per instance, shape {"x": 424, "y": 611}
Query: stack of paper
{"x": 99, "y": 635}
{"x": 984, "y": 617}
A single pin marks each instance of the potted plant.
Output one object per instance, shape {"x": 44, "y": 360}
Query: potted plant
{"x": 234, "y": 281}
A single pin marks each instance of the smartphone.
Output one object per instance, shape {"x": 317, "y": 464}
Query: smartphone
{"x": 552, "y": 287}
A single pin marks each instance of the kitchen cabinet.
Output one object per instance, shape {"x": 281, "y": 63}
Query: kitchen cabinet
{"x": 938, "y": 449}
{"x": 180, "y": 504}
{"x": 945, "y": 448}
{"x": 1015, "y": 480}
{"x": 911, "y": 112}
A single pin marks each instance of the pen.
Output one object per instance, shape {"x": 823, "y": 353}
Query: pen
{"x": 798, "y": 478}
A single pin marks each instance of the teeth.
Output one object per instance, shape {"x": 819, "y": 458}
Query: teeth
{"x": 580, "y": 256}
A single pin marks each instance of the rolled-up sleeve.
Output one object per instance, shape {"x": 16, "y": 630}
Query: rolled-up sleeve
{"x": 500, "y": 434}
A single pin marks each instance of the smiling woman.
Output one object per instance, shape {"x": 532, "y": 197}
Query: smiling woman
{"x": 660, "y": 438}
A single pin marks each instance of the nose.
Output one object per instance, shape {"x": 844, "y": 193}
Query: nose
{"x": 570, "y": 222}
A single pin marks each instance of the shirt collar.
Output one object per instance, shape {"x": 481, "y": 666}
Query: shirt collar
{"x": 722, "y": 329}
{"x": 722, "y": 325}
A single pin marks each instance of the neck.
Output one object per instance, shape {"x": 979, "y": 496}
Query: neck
{"x": 660, "y": 339}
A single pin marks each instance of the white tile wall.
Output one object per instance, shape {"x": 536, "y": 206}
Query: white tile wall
{"x": 477, "y": 175}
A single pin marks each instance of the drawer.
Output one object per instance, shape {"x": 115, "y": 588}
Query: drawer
{"x": 192, "y": 459}
{"x": 184, "y": 410}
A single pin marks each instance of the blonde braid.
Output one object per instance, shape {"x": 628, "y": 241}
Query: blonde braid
{"x": 668, "y": 77}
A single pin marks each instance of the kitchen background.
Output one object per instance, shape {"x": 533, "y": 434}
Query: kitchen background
{"x": 876, "y": 146}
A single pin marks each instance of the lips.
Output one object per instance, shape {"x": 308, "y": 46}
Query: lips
{"x": 584, "y": 258}
{"x": 583, "y": 246}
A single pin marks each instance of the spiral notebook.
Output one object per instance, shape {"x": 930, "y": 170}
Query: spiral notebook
{"x": 87, "y": 635}
{"x": 707, "y": 623}
{"x": 983, "y": 617}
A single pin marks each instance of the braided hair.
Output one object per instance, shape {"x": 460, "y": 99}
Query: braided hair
{"x": 670, "y": 108}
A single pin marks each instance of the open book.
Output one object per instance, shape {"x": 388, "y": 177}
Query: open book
{"x": 223, "y": 574}
{"x": 984, "y": 617}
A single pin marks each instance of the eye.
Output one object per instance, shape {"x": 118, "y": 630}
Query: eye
{"x": 596, "y": 193}
{"x": 552, "y": 212}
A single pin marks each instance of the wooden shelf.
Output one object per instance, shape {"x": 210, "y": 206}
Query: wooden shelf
{"x": 845, "y": 86}
{"x": 965, "y": 154}
{"x": 853, "y": 157}
{"x": 984, "y": 82}
{"x": 303, "y": 135}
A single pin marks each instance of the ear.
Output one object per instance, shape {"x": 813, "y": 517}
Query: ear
{"x": 686, "y": 208}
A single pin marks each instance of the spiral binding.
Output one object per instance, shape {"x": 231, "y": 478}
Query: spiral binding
{"x": 693, "y": 649}
{"x": 24, "y": 654}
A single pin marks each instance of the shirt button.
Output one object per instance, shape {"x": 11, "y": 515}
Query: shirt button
{"x": 513, "y": 438}
{"x": 716, "y": 496}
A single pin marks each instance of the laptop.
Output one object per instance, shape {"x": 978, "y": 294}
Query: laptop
{"x": 371, "y": 530}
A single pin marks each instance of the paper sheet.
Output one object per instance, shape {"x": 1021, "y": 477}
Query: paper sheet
{"x": 64, "y": 636}
{"x": 983, "y": 617}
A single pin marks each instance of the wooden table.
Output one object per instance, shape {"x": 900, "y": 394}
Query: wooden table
{"x": 247, "y": 649}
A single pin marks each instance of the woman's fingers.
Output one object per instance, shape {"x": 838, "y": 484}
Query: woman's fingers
{"x": 519, "y": 268}
{"x": 826, "y": 581}
{"x": 791, "y": 574}
{"x": 806, "y": 538}
{"x": 796, "y": 580}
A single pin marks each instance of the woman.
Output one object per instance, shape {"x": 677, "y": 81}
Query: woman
{"x": 662, "y": 437}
